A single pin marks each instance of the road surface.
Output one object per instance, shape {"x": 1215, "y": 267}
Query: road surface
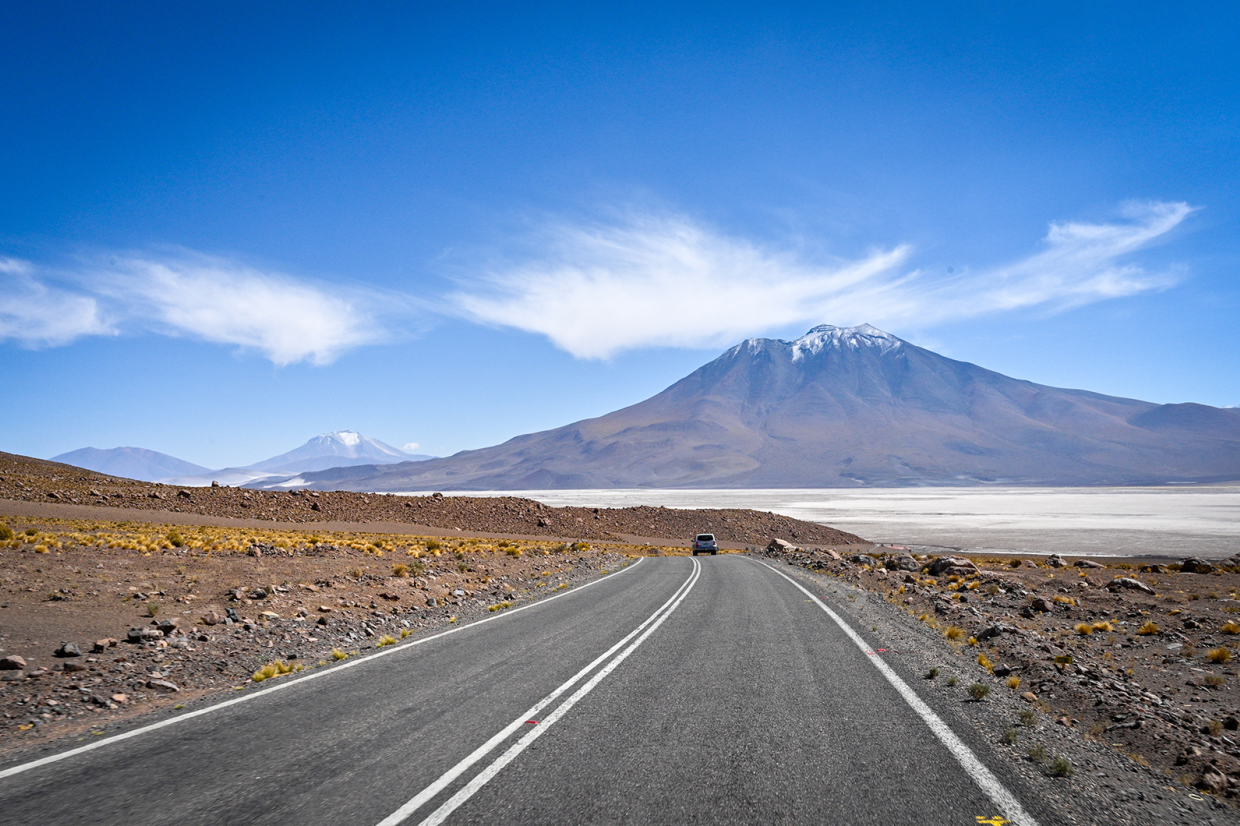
{"x": 678, "y": 690}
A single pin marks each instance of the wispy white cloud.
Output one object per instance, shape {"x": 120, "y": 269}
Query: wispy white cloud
{"x": 35, "y": 314}
{"x": 410, "y": 447}
{"x": 219, "y": 300}
{"x": 667, "y": 281}
{"x": 190, "y": 295}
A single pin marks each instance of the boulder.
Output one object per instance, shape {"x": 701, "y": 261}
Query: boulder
{"x": 1087, "y": 563}
{"x": 144, "y": 634}
{"x": 1042, "y": 604}
{"x": 864, "y": 559}
{"x": 68, "y": 649}
{"x": 162, "y": 685}
{"x": 1212, "y": 781}
{"x": 952, "y": 565}
{"x": 904, "y": 562}
{"x": 168, "y": 625}
{"x": 994, "y": 631}
{"x": 103, "y": 645}
{"x": 210, "y": 618}
{"x": 1131, "y": 584}
{"x": 1056, "y": 561}
{"x": 780, "y": 545}
{"x": 1195, "y": 565}
{"x": 12, "y": 663}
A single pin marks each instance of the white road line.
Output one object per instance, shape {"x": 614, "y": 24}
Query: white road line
{"x": 336, "y": 669}
{"x": 982, "y": 776}
{"x": 438, "y": 816}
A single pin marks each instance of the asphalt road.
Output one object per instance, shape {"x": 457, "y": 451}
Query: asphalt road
{"x": 679, "y": 690}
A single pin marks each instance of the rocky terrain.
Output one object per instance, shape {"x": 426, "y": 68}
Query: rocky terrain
{"x": 34, "y": 480}
{"x": 1134, "y": 659}
{"x": 101, "y": 621}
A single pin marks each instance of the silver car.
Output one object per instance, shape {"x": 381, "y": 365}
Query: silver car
{"x": 704, "y": 542}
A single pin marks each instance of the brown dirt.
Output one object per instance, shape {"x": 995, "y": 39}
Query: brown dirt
{"x": 1155, "y": 677}
{"x": 23, "y": 479}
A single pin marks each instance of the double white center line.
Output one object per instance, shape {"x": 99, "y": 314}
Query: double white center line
{"x": 626, "y": 646}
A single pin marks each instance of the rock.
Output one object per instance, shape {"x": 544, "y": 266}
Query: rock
{"x": 12, "y": 663}
{"x": 144, "y": 634}
{"x": 1027, "y": 612}
{"x": 268, "y": 616}
{"x": 1195, "y": 565}
{"x": 952, "y": 565}
{"x": 258, "y": 593}
{"x": 1042, "y": 604}
{"x": 995, "y": 630}
{"x": 1212, "y": 781}
{"x": 162, "y": 685}
{"x": 431, "y": 602}
{"x": 1131, "y": 584}
{"x": 103, "y": 645}
{"x": 1088, "y": 563}
{"x": 830, "y": 554}
{"x": 1029, "y": 697}
{"x": 179, "y": 642}
{"x": 120, "y": 699}
{"x": 904, "y": 562}
{"x": 780, "y": 545}
{"x": 321, "y": 621}
{"x": 72, "y": 666}
{"x": 325, "y": 609}
{"x": 1001, "y": 670}
{"x": 864, "y": 559}
{"x": 458, "y": 593}
{"x": 1189, "y": 754}
{"x": 210, "y": 618}
{"x": 1153, "y": 569}
{"x": 1056, "y": 561}
{"x": 231, "y": 613}
{"x": 168, "y": 625}
{"x": 314, "y": 506}
{"x": 68, "y": 649}
{"x": 12, "y": 676}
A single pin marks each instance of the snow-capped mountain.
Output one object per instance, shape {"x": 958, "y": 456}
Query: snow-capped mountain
{"x": 338, "y": 449}
{"x": 341, "y": 448}
{"x": 843, "y": 407}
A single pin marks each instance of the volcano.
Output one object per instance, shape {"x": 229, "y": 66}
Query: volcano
{"x": 843, "y": 407}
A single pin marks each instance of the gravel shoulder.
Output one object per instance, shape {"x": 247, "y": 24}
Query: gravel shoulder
{"x": 1112, "y": 726}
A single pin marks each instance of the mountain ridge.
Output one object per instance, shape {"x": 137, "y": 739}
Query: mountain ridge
{"x": 843, "y": 407}
{"x": 324, "y": 451}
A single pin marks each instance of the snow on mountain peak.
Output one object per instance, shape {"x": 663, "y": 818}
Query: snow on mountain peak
{"x": 826, "y": 335}
{"x": 349, "y": 437}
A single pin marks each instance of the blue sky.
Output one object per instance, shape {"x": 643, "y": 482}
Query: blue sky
{"x": 226, "y": 229}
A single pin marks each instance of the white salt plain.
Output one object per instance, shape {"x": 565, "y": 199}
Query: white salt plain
{"x": 1179, "y": 521}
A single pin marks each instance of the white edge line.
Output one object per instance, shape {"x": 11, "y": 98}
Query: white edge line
{"x": 399, "y": 647}
{"x": 421, "y": 798}
{"x": 482, "y": 778}
{"x": 982, "y": 776}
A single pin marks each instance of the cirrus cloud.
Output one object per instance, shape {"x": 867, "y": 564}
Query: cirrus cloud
{"x": 597, "y": 290}
{"x": 190, "y": 295}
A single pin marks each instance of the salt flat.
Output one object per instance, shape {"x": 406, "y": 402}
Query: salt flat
{"x": 1171, "y": 521}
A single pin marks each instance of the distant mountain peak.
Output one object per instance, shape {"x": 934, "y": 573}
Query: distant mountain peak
{"x": 827, "y": 336}
{"x": 346, "y": 437}
{"x": 853, "y": 338}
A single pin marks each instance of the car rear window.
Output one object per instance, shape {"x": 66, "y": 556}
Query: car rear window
{"x": 706, "y": 537}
